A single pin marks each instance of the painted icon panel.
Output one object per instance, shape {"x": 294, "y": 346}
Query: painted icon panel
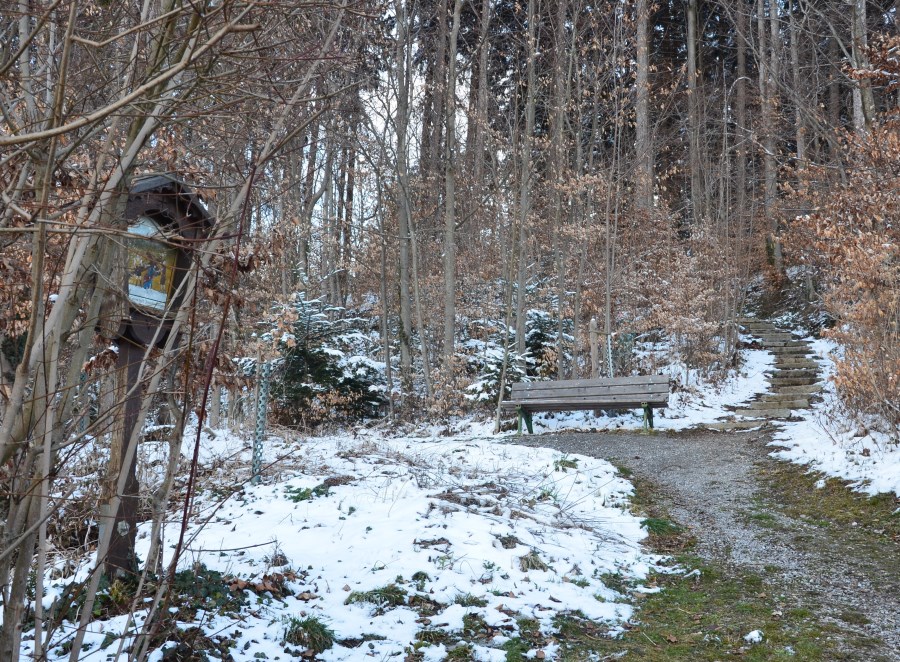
{"x": 151, "y": 265}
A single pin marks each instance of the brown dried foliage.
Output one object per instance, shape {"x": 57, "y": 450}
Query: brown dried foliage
{"x": 852, "y": 239}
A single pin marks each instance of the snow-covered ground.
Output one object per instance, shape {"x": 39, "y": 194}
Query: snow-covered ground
{"x": 402, "y": 544}
{"x": 829, "y": 440}
{"x": 453, "y": 528}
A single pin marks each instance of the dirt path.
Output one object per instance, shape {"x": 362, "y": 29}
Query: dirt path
{"x": 714, "y": 483}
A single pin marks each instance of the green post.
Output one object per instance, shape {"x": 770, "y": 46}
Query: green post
{"x": 528, "y": 421}
{"x": 648, "y": 416}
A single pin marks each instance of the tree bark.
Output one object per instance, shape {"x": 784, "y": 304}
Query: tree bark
{"x": 403, "y": 58}
{"x": 524, "y": 205}
{"x": 643, "y": 188}
{"x": 698, "y": 194}
{"x": 863, "y": 98}
{"x": 450, "y": 201}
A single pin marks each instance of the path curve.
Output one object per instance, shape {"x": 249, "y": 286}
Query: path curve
{"x": 708, "y": 480}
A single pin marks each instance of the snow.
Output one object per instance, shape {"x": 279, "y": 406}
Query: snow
{"x": 461, "y": 511}
{"x": 451, "y": 519}
{"x": 829, "y": 440}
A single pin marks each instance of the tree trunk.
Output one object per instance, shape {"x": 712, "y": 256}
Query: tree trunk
{"x": 863, "y": 98}
{"x": 697, "y": 162}
{"x": 450, "y": 202}
{"x": 403, "y": 204}
{"x": 557, "y": 176}
{"x": 525, "y": 178}
{"x": 742, "y": 133}
{"x": 796, "y": 78}
{"x": 481, "y": 122}
{"x": 643, "y": 188}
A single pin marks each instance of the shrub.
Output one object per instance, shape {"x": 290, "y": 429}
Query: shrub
{"x": 851, "y": 239}
{"x": 324, "y": 373}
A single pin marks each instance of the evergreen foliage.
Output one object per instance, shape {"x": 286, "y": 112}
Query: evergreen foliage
{"x": 323, "y": 374}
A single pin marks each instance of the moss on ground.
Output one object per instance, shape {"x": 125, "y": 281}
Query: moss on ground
{"x": 828, "y": 502}
{"x": 705, "y": 610}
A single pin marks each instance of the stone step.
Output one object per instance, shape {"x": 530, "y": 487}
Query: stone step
{"x": 792, "y": 381}
{"x": 764, "y": 413}
{"x": 787, "y": 373}
{"x": 783, "y": 343}
{"x": 789, "y": 404}
{"x": 791, "y": 400}
{"x": 788, "y": 362}
{"x": 806, "y": 389}
{"x": 797, "y": 403}
{"x": 728, "y": 426}
{"x": 760, "y": 330}
{"x": 755, "y": 329}
{"x": 792, "y": 350}
{"x": 782, "y": 335}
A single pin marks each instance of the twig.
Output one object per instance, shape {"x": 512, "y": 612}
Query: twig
{"x": 649, "y": 639}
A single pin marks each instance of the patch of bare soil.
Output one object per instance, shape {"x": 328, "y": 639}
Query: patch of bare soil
{"x": 717, "y": 484}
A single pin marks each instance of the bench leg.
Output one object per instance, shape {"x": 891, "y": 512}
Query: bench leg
{"x": 524, "y": 415}
{"x": 519, "y": 428}
{"x": 648, "y": 416}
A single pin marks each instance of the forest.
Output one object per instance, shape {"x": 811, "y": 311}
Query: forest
{"x": 410, "y": 205}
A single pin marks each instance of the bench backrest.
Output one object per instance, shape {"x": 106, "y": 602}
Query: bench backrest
{"x": 652, "y": 389}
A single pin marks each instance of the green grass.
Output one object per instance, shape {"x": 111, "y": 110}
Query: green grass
{"x": 565, "y": 462}
{"x": 700, "y": 617}
{"x": 310, "y": 633}
{"x": 469, "y": 600}
{"x": 764, "y": 519}
{"x": 660, "y": 527}
{"x": 298, "y": 494}
{"x": 383, "y": 598}
{"x": 461, "y": 652}
{"x": 829, "y": 502}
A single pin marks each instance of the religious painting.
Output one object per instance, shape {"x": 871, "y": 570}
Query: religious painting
{"x": 151, "y": 265}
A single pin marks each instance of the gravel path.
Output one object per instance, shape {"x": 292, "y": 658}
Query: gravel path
{"x": 708, "y": 482}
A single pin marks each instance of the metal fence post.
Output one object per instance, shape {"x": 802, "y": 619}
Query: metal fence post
{"x": 262, "y": 397}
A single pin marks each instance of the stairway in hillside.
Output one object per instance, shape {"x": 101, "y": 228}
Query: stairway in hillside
{"x": 795, "y": 378}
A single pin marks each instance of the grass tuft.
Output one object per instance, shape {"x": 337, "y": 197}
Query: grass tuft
{"x": 298, "y": 494}
{"x": 565, "y": 462}
{"x": 660, "y": 527}
{"x": 310, "y": 633}
{"x": 384, "y": 598}
{"x": 532, "y": 561}
{"x": 469, "y": 600}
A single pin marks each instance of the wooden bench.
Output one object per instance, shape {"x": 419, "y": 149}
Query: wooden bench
{"x": 578, "y": 394}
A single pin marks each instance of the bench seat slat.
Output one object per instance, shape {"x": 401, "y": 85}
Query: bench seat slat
{"x": 585, "y": 403}
{"x": 570, "y": 407}
{"x": 615, "y": 381}
{"x": 590, "y": 391}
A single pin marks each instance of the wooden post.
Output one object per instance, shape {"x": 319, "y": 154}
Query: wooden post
{"x": 121, "y": 562}
{"x": 595, "y": 350}
{"x": 215, "y": 407}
